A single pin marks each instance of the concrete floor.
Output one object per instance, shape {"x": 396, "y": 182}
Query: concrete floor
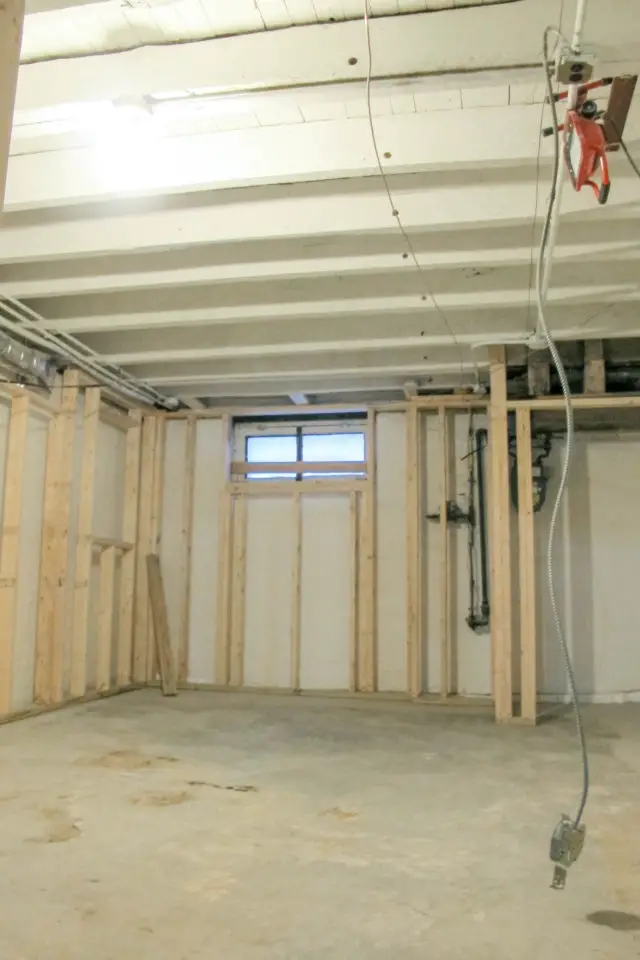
{"x": 241, "y": 827}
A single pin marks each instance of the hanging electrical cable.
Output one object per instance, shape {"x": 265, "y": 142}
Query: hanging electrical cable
{"x": 568, "y": 837}
{"x": 395, "y": 213}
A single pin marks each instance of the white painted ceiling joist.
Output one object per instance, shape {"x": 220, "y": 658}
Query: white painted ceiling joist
{"x": 492, "y": 37}
{"x": 270, "y": 155}
{"x": 505, "y": 197}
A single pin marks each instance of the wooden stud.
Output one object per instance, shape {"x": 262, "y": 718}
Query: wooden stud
{"x": 223, "y": 572}
{"x": 143, "y": 545}
{"x": 447, "y": 665}
{"x": 153, "y": 665}
{"x": 526, "y": 544}
{"x": 225, "y": 558}
{"x": 186, "y": 546}
{"x": 355, "y": 593}
{"x": 157, "y": 600}
{"x": 610, "y": 401}
{"x": 413, "y": 559}
{"x": 239, "y": 585}
{"x": 84, "y": 544}
{"x": 594, "y": 367}
{"x": 53, "y": 589}
{"x": 280, "y": 488}
{"x": 367, "y": 594}
{"x": 10, "y": 543}
{"x": 124, "y": 662}
{"x": 105, "y": 621}
{"x": 12, "y": 16}
{"x": 296, "y": 595}
{"x": 500, "y": 538}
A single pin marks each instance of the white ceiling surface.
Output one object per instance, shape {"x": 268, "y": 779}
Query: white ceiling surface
{"x": 235, "y": 241}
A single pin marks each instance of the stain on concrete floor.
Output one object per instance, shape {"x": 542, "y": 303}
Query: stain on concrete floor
{"x": 373, "y": 831}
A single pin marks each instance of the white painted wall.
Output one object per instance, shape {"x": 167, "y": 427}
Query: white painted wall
{"x": 597, "y": 553}
{"x": 597, "y": 562}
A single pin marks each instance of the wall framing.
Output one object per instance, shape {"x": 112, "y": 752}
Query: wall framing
{"x": 73, "y": 553}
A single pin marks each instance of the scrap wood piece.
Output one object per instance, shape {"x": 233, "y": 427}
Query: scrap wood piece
{"x": 161, "y": 626}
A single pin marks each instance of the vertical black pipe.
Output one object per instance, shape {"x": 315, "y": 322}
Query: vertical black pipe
{"x": 482, "y": 438}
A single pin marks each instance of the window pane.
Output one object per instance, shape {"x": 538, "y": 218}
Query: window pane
{"x": 319, "y": 447}
{"x": 271, "y": 449}
{"x": 266, "y": 449}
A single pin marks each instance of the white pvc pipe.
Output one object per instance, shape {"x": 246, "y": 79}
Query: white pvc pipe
{"x": 581, "y": 12}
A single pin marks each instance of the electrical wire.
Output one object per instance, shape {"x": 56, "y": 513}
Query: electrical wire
{"x": 557, "y": 361}
{"x": 394, "y": 210}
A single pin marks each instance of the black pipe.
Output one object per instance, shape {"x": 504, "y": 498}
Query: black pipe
{"x": 482, "y": 438}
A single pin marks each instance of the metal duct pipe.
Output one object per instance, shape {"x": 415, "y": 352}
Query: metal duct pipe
{"x": 23, "y": 359}
{"x": 81, "y": 356}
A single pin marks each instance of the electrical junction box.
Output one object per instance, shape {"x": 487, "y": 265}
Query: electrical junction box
{"x": 574, "y": 68}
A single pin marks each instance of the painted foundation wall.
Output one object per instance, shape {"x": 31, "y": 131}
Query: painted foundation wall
{"x": 107, "y": 522}
{"x": 598, "y": 559}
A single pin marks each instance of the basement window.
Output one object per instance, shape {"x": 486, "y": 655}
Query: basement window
{"x": 313, "y": 444}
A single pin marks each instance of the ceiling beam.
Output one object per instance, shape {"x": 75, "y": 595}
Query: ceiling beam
{"x": 339, "y": 208}
{"x": 466, "y": 306}
{"x": 291, "y": 153}
{"x": 494, "y": 37}
{"x": 93, "y": 278}
{"x": 299, "y": 152}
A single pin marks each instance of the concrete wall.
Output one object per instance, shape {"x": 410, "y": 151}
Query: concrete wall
{"x": 597, "y": 564}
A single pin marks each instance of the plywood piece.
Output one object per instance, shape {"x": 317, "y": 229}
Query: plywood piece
{"x": 527, "y": 580}
{"x": 105, "y": 622}
{"x": 500, "y": 539}
{"x": 296, "y": 586}
{"x": 355, "y": 584}
{"x": 53, "y": 591}
{"x": 238, "y": 593}
{"x": 10, "y": 543}
{"x": 186, "y": 546}
{"x": 143, "y": 546}
{"x": 326, "y": 593}
{"x": 209, "y": 480}
{"x": 84, "y": 545}
{"x": 391, "y": 554}
{"x": 268, "y": 614}
{"x": 413, "y": 525}
{"x": 124, "y": 664}
{"x": 161, "y": 626}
